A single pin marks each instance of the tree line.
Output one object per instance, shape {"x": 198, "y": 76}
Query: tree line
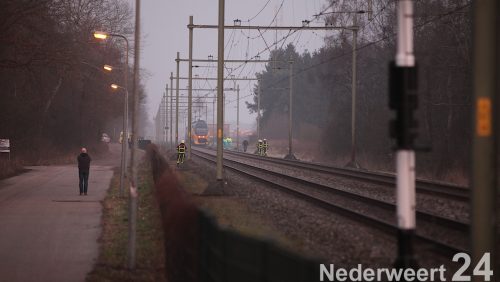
{"x": 55, "y": 95}
{"x": 322, "y": 87}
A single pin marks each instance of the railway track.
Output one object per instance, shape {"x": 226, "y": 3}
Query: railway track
{"x": 442, "y": 234}
{"x": 436, "y": 188}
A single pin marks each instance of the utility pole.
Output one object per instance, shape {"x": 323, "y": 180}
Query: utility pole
{"x": 190, "y": 91}
{"x": 135, "y": 119}
{"x": 403, "y": 86}
{"x": 220, "y": 90}
{"x": 353, "y": 163}
{"x": 290, "y": 155}
{"x": 214, "y": 126}
{"x": 238, "y": 118}
{"x": 165, "y": 125}
{"x": 259, "y": 88}
{"x": 486, "y": 87}
{"x": 171, "y": 108}
{"x": 177, "y": 103}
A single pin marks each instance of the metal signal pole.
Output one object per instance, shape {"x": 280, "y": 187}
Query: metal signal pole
{"x": 403, "y": 99}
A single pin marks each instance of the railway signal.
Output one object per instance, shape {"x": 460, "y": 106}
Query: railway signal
{"x": 403, "y": 100}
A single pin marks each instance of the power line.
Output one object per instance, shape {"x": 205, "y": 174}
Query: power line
{"x": 282, "y": 39}
{"x": 268, "y": 1}
{"x": 268, "y": 26}
{"x": 436, "y": 18}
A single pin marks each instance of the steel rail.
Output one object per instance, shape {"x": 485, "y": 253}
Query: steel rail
{"x": 265, "y": 176}
{"x": 446, "y": 190}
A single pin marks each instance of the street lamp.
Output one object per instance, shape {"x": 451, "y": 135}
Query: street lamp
{"x": 100, "y": 35}
{"x": 103, "y": 36}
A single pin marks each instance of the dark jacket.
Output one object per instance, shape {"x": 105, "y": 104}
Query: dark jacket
{"x": 84, "y": 162}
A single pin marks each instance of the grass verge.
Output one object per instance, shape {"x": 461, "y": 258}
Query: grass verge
{"x": 232, "y": 212}
{"x": 112, "y": 261}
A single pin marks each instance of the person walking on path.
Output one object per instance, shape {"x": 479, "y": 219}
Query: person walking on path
{"x": 83, "y": 171}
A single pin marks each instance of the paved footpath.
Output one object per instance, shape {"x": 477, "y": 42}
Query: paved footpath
{"x": 48, "y": 232}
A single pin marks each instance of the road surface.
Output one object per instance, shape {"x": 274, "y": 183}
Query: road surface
{"x": 48, "y": 232}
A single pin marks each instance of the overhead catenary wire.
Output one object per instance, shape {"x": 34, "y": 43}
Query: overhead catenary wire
{"x": 242, "y": 66}
{"x": 278, "y": 41}
{"x": 333, "y": 58}
{"x": 284, "y": 39}
{"x": 271, "y": 23}
{"x": 263, "y": 8}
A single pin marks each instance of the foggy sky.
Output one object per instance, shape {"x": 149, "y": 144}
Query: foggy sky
{"x": 164, "y": 33}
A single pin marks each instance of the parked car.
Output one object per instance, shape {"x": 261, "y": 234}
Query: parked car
{"x": 105, "y": 138}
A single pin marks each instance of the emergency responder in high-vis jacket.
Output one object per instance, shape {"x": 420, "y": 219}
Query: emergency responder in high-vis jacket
{"x": 181, "y": 152}
{"x": 265, "y": 147}
{"x": 260, "y": 147}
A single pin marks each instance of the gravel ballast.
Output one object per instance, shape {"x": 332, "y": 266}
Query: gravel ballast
{"x": 319, "y": 233}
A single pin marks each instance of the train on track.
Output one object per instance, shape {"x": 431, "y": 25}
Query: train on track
{"x": 199, "y": 133}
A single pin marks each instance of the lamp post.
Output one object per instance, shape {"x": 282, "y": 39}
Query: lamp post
{"x": 103, "y": 36}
